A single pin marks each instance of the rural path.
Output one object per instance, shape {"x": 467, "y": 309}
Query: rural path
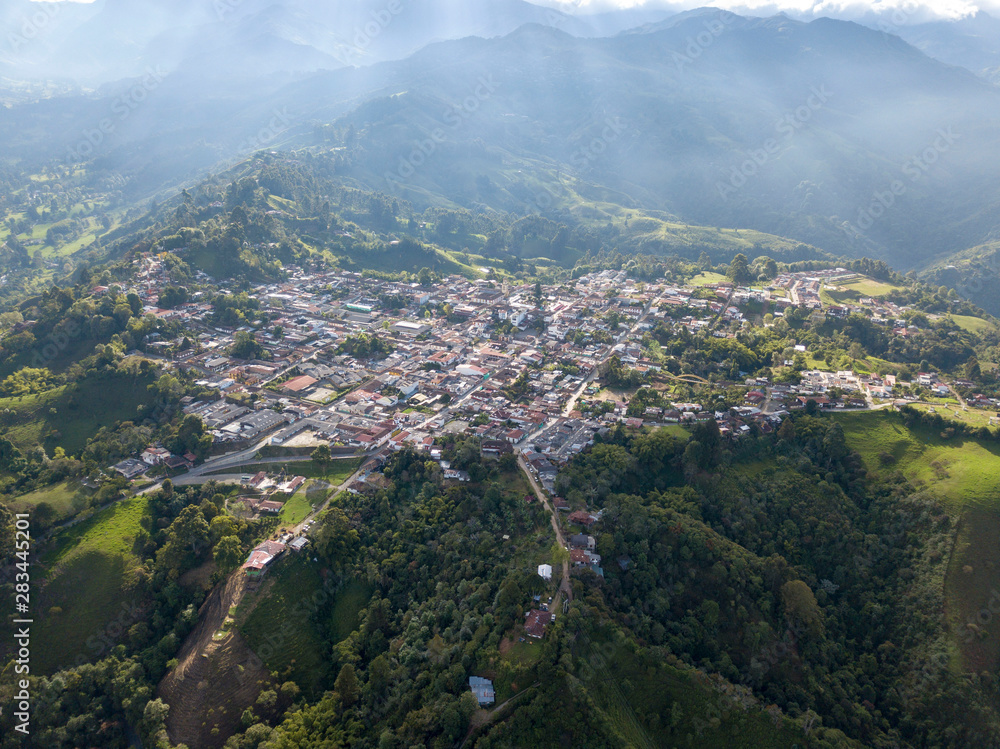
{"x": 334, "y": 491}
{"x": 564, "y": 586}
{"x": 961, "y": 400}
{"x": 483, "y": 717}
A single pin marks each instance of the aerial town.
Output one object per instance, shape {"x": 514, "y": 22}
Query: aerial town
{"x": 518, "y": 366}
{"x": 369, "y": 366}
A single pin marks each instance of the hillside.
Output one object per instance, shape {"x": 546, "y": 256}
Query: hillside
{"x": 473, "y": 375}
{"x": 509, "y": 124}
{"x": 973, "y": 273}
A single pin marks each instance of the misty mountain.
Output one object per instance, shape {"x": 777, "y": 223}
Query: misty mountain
{"x": 828, "y": 133}
{"x": 973, "y": 273}
{"x": 113, "y": 39}
{"x": 972, "y": 42}
{"x": 790, "y": 128}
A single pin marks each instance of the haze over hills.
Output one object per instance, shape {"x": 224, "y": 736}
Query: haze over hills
{"x": 972, "y": 42}
{"x": 112, "y": 39}
{"x": 696, "y": 129}
{"x": 102, "y": 41}
{"x": 841, "y": 126}
{"x": 472, "y": 375}
{"x": 828, "y": 133}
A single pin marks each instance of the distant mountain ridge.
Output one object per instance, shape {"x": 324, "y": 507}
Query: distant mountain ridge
{"x": 106, "y": 40}
{"x": 827, "y": 133}
{"x": 708, "y": 137}
{"x": 972, "y": 42}
{"x": 113, "y": 39}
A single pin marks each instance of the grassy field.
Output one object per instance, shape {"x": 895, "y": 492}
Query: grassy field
{"x": 281, "y": 630}
{"x": 972, "y": 324}
{"x": 295, "y": 510}
{"x": 88, "y": 578}
{"x": 704, "y": 279}
{"x": 951, "y": 411}
{"x": 304, "y": 501}
{"x": 285, "y": 630}
{"x": 962, "y": 472}
{"x": 523, "y": 654}
{"x": 677, "y": 431}
{"x": 639, "y": 699}
{"x": 347, "y": 606}
{"x": 973, "y": 601}
{"x": 67, "y": 417}
{"x": 871, "y": 287}
{"x": 965, "y": 476}
{"x": 335, "y": 473}
{"x": 66, "y": 499}
{"x": 855, "y": 290}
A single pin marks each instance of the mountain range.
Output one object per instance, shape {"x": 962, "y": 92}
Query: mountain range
{"x": 112, "y": 39}
{"x": 829, "y": 133}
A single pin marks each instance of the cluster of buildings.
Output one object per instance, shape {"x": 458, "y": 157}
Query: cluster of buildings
{"x": 373, "y": 365}
{"x": 152, "y": 457}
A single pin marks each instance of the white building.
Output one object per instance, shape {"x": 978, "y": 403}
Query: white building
{"x": 545, "y": 571}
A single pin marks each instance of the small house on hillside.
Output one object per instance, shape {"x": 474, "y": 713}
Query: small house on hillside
{"x": 269, "y": 506}
{"x": 535, "y": 623}
{"x": 154, "y": 456}
{"x": 292, "y": 485}
{"x": 262, "y": 557}
{"x": 482, "y": 689}
{"x": 583, "y": 518}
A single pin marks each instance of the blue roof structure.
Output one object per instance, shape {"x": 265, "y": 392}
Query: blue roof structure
{"x": 482, "y": 689}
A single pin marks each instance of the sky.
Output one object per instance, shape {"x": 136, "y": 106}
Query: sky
{"x": 904, "y": 12}
{"x": 914, "y": 11}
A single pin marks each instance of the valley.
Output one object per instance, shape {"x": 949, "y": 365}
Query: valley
{"x": 480, "y": 374}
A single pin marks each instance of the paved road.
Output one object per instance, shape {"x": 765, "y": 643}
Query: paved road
{"x": 571, "y": 403}
{"x": 206, "y": 472}
{"x": 326, "y": 503}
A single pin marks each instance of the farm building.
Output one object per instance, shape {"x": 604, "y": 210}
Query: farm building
{"x": 534, "y": 625}
{"x": 262, "y": 557}
{"x": 483, "y": 690}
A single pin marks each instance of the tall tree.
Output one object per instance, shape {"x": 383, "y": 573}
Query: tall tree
{"x": 739, "y": 271}
{"x": 347, "y": 685}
